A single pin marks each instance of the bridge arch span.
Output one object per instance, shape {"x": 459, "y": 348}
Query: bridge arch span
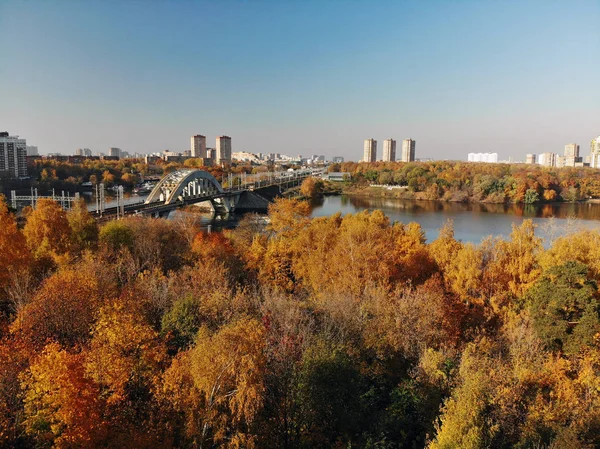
{"x": 184, "y": 184}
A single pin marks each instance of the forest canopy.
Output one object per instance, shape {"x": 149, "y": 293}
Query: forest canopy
{"x": 340, "y": 331}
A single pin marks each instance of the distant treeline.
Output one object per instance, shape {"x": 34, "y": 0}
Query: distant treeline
{"x": 478, "y": 182}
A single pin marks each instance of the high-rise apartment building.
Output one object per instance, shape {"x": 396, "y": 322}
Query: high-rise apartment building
{"x": 223, "y": 150}
{"x": 13, "y": 156}
{"x": 571, "y": 150}
{"x": 198, "y": 146}
{"x": 547, "y": 159}
{"x": 408, "y": 150}
{"x": 595, "y": 153}
{"x": 571, "y": 157}
{"x": 114, "y": 152}
{"x": 389, "y": 150}
{"x": 530, "y": 159}
{"x": 370, "y": 150}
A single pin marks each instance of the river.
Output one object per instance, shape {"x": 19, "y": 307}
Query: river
{"x": 472, "y": 221}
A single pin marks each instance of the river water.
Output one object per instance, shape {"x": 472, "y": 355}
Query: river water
{"x": 474, "y": 221}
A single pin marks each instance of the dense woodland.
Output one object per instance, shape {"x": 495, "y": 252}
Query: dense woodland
{"x": 478, "y": 182}
{"x": 328, "y": 332}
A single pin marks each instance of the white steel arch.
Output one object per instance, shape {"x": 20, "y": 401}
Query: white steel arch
{"x": 184, "y": 184}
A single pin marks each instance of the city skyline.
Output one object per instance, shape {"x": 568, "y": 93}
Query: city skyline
{"x": 109, "y": 80}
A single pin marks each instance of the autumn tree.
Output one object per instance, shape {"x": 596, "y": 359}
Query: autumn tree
{"x": 63, "y": 309}
{"x": 47, "y": 230}
{"x": 84, "y": 229}
{"x": 14, "y": 254}
{"x": 62, "y": 404}
{"x": 219, "y": 385}
{"x": 311, "y": 187}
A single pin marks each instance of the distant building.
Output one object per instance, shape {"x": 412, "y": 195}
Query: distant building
{"x": 408, "y": 150}
{"x": 244, "y": 156}
{"x": 370, "y": 150}
{"x": 83, "y": 152}
{"x": 547, "y": 159}
{"x": 389, "y": 150}
{"x": 13, "y": 156}
{"x": 483, "y": 157}
{"x": 224, "y": 150}
{"x": 114, "y": 152}
{"x": 571, "y": 150}
{"x": 211, "y": 153}
{"x": 32, "y": 150}
{"x": 337, "y": 159}
{"x": 530, "y": 159}
{"x": 595, "y": 152}
{"x": 571, "y": 157}
{"x": 338, "y": 176}
{"x": 198, "y": 146}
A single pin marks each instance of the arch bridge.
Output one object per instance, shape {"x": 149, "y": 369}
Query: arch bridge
{"x": 182, "y": 185}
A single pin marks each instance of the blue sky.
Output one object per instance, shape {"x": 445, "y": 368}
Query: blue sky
{"x": 305, "y": 77}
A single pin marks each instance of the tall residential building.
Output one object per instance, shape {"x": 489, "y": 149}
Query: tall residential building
{"x": 198, "y": 146}
{"x": 571, "y": 150}
{"x": 83, "y": 152}
{"x": 571, "y": 157}
{"x": 408, "y": 150}
{"x": 13, "y": 156}
{"x": 389, "y": 150}
{"x": 211, "y": 153}
{"x": 595, "y": 153}
{"x": 223, "y": 150}
{"x": 370, "y": 150}
{"x": 530, "y": 159}
{"x": 32, "y": 150}
{"x": 114, "y": 152}
{"x": 547, "y": 159}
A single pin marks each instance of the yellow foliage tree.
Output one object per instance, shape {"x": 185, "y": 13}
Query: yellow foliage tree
{"x": 219, "y": 384}
{"x": 62, "y": 405}
{"x": 47, "y": 230}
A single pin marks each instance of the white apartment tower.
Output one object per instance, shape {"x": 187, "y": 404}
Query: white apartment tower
{"x": 389, "y": 150}
{"x": 13, "y": 156}
{"x": 370, "y": 150}
{"x": 198, "y": 146}
{"x": 223, "y": 150}
{"x": 595, "y": 153}
{"x": 530, "y": 159}
{"x": 408, "y": 150}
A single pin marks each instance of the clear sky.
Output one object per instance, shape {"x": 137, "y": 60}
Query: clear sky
{"x": 305, "y": 77}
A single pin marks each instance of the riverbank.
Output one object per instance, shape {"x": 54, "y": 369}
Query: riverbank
{"x": 404, "y": 193}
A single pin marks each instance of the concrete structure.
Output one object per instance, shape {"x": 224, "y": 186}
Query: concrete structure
{"x": 244, "y": 156}
{"x": 32, "y": 150}
{"x": 337, "y": 159}
{"x": 595, "y": 153}
{"x": 483, "y": 157}
{"x": 389, "y": 150}
{"x": 211, "y": 153}
{"x": 370, "y": 150}
{"x": 114, "y": 152}
{"x": 408, "y": 150}
{"x": 547, "y": 159}
{"x": 83, "y": 152}
{"x": 530, "y": 159}
{"x": 13, "y": 156}
{"x": 198, "y": 146}
{"x": 571, "y": 150}
{"x": 223, "y": 150}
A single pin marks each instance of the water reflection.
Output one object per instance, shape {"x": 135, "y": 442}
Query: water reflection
{"x": 472, "y": 221}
